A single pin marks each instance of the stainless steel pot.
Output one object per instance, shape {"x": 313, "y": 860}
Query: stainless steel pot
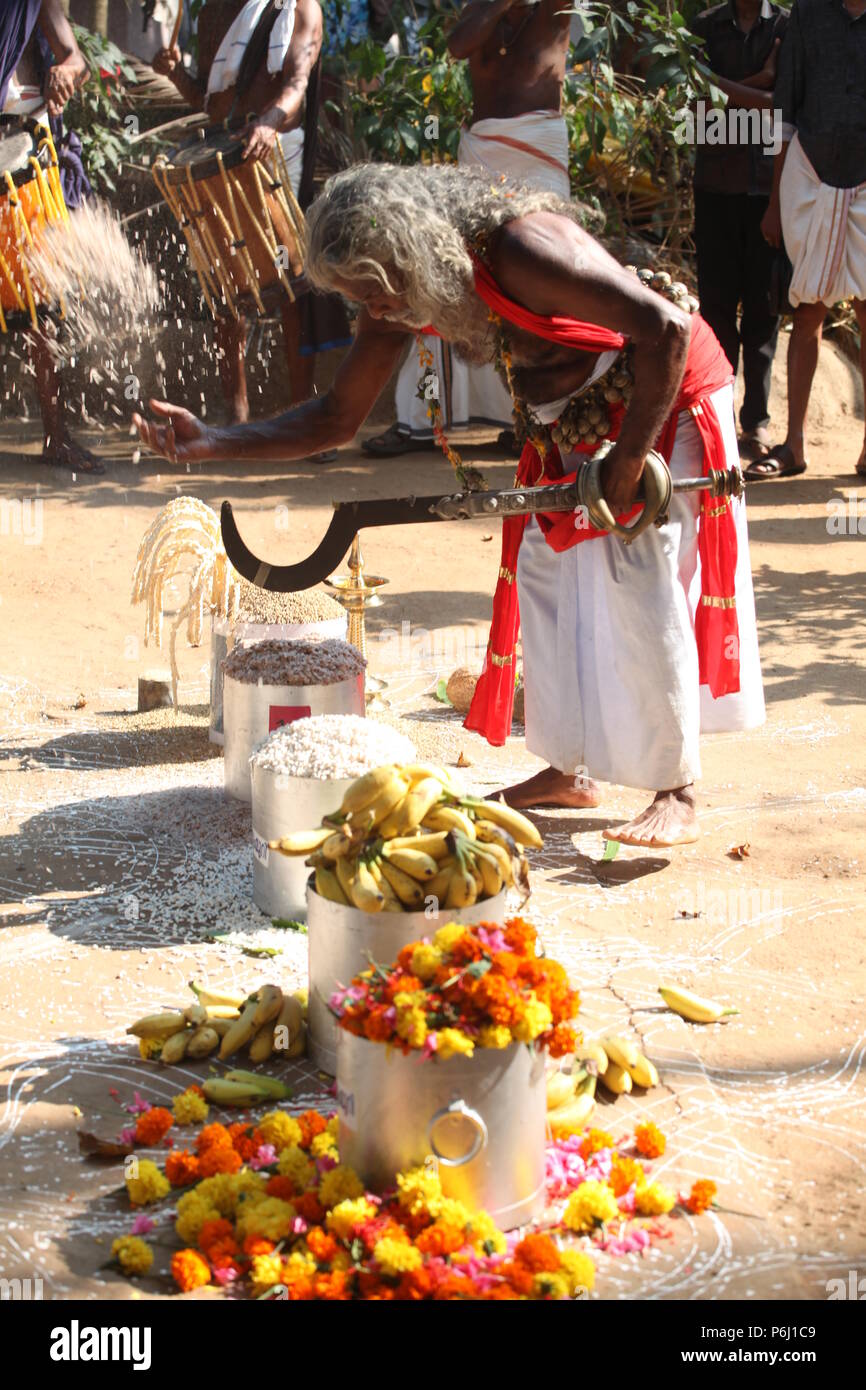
{"x": 482, "y": 1118}
{"x": 340, "y": 941}
{"x": 251, "y": 712}
{"x": 282, "y": 804}
{"x": 225, "y": 635}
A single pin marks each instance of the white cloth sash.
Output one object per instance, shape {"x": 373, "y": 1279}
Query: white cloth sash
{"x": 226, "y": 64}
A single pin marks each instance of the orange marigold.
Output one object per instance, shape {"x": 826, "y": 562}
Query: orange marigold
{"x": 258, "y": 1245}
{"x": 214, "y": 1231}
{"x": 594, "y": 1141}
{"x": 563, "y": 1040}
{"x": 281, "y": 1186}
{"x": 377, "y": 1026}
{"x": 312, "y": 1123}
{"x": 308, "y": 1206}
{"x": 220, "y": 1158}
{"x": 153, "y": 1125}
{"x": 520, "y": 937}
{"x": 299, "y": 1286}
{"x": 623, "y": 1173}
{"x": 212, "y": 1135}
{"x": 519, "y": 1277}
{"x": 649, "y": 1140}
{"x": 702, "y": 1196}
{"x": 182, "y": 1168}
{"x": 321, "y": 1245}
{"x": 538, "y": 1253}
{"x": 333, "y": 1287}
{"x": 189, "y": 1270}
{"x": 442, "y": 1238}
{"x": 222, "y": 1255}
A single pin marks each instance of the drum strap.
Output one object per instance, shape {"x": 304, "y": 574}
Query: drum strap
{"x": 311, "y": 134}
{"x": 254, "y": 56}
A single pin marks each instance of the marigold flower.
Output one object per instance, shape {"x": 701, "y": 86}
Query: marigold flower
{"x": 579, "y": 1269}
{"x": 226, "y": 1190}
{"x": 485, "y": 1235}
{"x": 594, "y": 1141}
{"x": 563, "y": 1040}
{"x": 132, "y": 1254}
{"x": 152, "y": 1126}
{"x": 146, "y": 1184}
{"x": 378, "y": 1026}
{"x": 312, "y": 1123}
{"x": 395, "y": 1257}
{"x": 625, "y": 1173}
{"x": 257, "y": 1245}
{"x": 419, "y": 1189}
{"x": 271, "y": 1217}
{"x": 339, "y": 1184}
{"x": 211, "y": 1135}
{"x": 265, "y": 1272}
{"x": 332, "y": 1287}
{"x": 293, "y": 1163}
{"x": 245, "y": 1140}
{"x": 190, "y": 1270}
{"x": 654, "y": 1199}
{"x": 451, "y": 1042}
{"x": 520, "y": 937}
{"x": 323, "y": 1144}
{"x": 344, "y": 1218}
{"x": 213, "y": 1232}
{"x": 280, "y": 1186}
{"x": 426, "y": 960}
{"x": 219, "y": 1158}
{"x": 192, "y": 1213}
{"x": 447, "y": 937}
{"x": 280, "y": 1129}
{"x": 535, "y": 1020}
{"x": 701, "y": 1197}
{"x": 182, "y": 1168}
{"x": 550, "y": 1285}
{"x": 538, "y": 1253}
{"x": 590, "y": 1205}
{"x": 190, "y": 1107}
{"x": 495, "y": 1035}
{"x": 321, "y": 1246}
{"x": 441, "y": 1239}
{"x": 309, "y": 1207}
{"x": 649, "y": 1140}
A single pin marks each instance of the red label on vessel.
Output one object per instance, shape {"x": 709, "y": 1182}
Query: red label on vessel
{"x": 278, "y": 715}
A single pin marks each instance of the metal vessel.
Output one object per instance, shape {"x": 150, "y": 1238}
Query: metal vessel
{"x": 281, "y": 804}
{"x": 341, "y": 940}
{"x": 482, "y": 1118}
{"x": 251, "y": 712}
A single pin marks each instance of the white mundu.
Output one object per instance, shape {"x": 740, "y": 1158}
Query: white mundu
{"x": 609, "y": 655}
{"x": 824, "y": 229}
{"x": 532, "y": 148}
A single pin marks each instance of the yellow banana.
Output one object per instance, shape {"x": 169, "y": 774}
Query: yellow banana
{"x": 692, "y": 1006}
{"x": 437, "y": 887}
{"x": 224, "y": 1092}
{"x": 623, "y": 1051}
{"x": 518, "y": 826}
{"x": 359, "y": 886}
{"x": 492, "y": 834}
{"x": 303, "y": 998}
{"x": 435, "y": 843}
{"x": 472, "y": 865}
{"x": 240, "y": 1032}
{"x": 215, "y": 998}
{"x": 337, "y": 844}
{"x": 490, "y": 869}
{"x": 270, "y": 1001}
{"x": 412, "y": 861}
{"x": 410, "y": 812}
{"x": 462, "y": 890}
{"x": 416, "y": 772}
{"x": 449, "y": 818}
{"x": 221, "y": 1011}
{"x": 560, "y": 1088}
{"x": 407, "y": 889}
{"x": 301, "y": 841}
{"x": 366, "y": 788}
{"x": 298, "y": 1048}
{"x": 158, "y": 1025}
{"x": 616, "y": 1079}
{"x": 327, "y": 886}
{"x": 572, "y": 1117}
{"x": 392, "y": 903}
{"x": 370, "y": 816}
{"x": 262, "y": 1044}
{"x": 593, "y": 1052}
{"x": 267, "y": 1085}
{"x": 174, "y": 1048}
{"x": 203, "y": 1041}
{"x": 288, "y": 1023}
{"x": 501, "y": 857}
{"x": 195, "y": 1014}
{"x": 220, "y": 1025}
{"x": 644, "y": 1073}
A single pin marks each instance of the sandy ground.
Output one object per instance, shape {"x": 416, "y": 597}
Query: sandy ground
{"x": 121, "y": 856}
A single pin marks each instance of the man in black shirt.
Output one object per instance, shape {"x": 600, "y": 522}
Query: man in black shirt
{"x": 818, "y": 201}
{"x": 732, "y": 187}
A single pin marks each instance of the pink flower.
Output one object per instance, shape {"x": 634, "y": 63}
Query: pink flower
{"x": 141, "y": 1225}
{"x": 225, "y": 1276}
{"x": 325, "y": 1164}
{"x": 138, "y": 1106}
{"x": 430, "y": 1046}
{"x": 299, "y": 1226}
{"x": 626, "y": 1202}
{"x": 127, "y": 1136}
{"x": 264, "y": 1157}
{"x": 493, "y": 940}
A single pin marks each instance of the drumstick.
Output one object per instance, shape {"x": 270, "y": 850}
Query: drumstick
{"x": 177, "y": 23}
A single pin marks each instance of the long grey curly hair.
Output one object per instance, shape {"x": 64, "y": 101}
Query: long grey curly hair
{"x": 407, "y": 228}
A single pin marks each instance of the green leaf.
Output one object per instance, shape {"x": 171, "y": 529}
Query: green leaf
{"x": 478, "y": 968}
{"x": 287, "y": 924}
{"x": 441, "y": 687}
{"x": 611, "y": 850}
{"x": 665, "y": 72}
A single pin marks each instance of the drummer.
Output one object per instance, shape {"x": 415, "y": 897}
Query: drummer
{"x": 276, "y": 101}
{"x": 30, "y": 86}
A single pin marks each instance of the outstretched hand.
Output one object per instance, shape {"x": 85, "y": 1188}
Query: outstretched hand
{"x": 181, "y": 438}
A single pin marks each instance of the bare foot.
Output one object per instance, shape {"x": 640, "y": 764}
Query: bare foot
{"x": 65, "y": 453}
{"x": 670, "y": 820}
{"x": 553, "y": 788}
{"x": 860, "y": 466}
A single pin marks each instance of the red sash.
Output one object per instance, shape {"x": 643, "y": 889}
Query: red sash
{"x": 716, "y": 632}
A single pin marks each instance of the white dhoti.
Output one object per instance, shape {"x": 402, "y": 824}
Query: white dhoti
{"x": 609, "y": 654}
{"x": 532, "y": 149}
{"x": 824, "y": 230}
{"x": 292, "y": 145}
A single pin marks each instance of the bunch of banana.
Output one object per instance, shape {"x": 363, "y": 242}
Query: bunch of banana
{"x": 404, "y": 835}
{"x": 693, "y": 1007}
{"x": 570, "y": 1101}
{"x": 626, "y": 1066}
{"x": 268, "y": 1020}
{"x": 244, "y": 1088}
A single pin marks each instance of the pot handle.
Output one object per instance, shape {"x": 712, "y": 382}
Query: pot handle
{"x": 459, "y": 1107}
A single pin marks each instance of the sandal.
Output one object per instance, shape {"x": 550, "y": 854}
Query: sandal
{"x": 507, "y": 441}
{"x": 397, "y": 439}
{"x": 778, "y": 463}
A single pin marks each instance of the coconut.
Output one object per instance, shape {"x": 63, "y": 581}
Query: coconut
{"x": 461, "y": 687}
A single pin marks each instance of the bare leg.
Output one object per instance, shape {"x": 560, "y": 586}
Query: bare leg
{"x": 670, "y": 820}
{"x": 860, "y": 311}
{"x": 553, "y": 788}
{"x": 231, "y": 337}
{"x": 803, "y": 352}
{"x": 59, "y": 449}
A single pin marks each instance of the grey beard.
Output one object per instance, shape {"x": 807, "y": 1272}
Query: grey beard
{"x": 466, "y": 327}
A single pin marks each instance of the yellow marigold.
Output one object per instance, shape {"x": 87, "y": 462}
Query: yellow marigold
{"x": 419, "y": 1190}
{"x": 279, "y": 1129}
{"x": 192, "y": 1212}
{"x": 411, "y": 1024}
{"x": 589, "y": 1206}
{"x": 578, "y": 1268}
{"x": 149, "y": 1047}
{"x": 447, "y": 937}
{"x": 323, "y": 1144}
{"x": 396, "y": 1257}
{"x": 451, "y": 1043}
{"x": 225, "y": 1190}
{"x": 426, "y": 960}
{"x": 132, "y": 1254}
{"x": 485, "y": 1235}
{"x": 271, "y": 1218}
{"x": 448, "y": 1209}
{"x": 293, "y": 1163}
{"x": 190, "y": 1108}
{"x": 654, "y": 1199}
{"x": 550, "y": 1285}
{"x": 343, "y": 1218}
{"x": 495, "y": 1035}
{"x": 300, "y": 1262}
{"x": 334, "y": 1126}
{"x": 535, "y": 1019}
{"x": 594, "y": 1141}
{"x": 146, "y": 1183}
{"x": 339, "y": 1184}
{"x": 265, "y": 1272}
{"x": 342, "y": 1260}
